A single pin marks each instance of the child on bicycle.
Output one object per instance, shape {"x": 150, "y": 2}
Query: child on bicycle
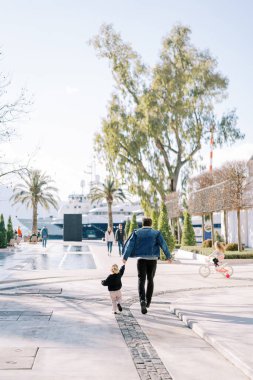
{"x": 218, "y": 254}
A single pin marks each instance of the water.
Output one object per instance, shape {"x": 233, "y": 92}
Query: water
{"x": 53, "y": 259}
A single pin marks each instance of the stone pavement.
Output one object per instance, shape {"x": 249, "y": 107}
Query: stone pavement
{"x": 57, "y": 324}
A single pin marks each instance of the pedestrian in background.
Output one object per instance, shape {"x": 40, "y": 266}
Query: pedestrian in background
{"x": 44, "y": 236}
{"x": 120, "y": 237}
{"x": 109, "y": 238}
{"x": 19, "y": 235}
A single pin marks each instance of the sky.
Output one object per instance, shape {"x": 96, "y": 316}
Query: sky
{"x": 45, "y": 50}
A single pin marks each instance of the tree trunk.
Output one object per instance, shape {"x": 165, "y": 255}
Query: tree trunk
{"x": 110, "y": 221}
{"x": 212, "y": 227}
{"x": 35, "y": 219}
{"x": 239, "y": 230}
{"x": 225, "y": 226}
{"x": 203, "y": 228}
{"x": 172, "y": 225}
{"x": 178, "y": 231}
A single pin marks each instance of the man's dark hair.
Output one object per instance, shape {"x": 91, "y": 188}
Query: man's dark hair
{"x": 147, "y": 222}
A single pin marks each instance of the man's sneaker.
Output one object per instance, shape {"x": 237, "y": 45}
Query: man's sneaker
{"x": 143, "y": 307}
{"x": 119, "y": 307}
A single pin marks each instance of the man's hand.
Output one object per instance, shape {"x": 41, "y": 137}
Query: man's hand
{"x": 124, "y": 261}
{"x": 169, "y": 261}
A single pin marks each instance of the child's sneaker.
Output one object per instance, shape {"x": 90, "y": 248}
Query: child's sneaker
{"x": 119, "y": 307}
{"x": 114, "y": 312}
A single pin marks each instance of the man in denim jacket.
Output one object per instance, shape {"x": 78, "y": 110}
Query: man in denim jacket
{"x": 145, "y": 244}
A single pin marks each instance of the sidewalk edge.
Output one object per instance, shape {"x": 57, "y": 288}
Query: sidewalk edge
{"x": 218, "y": 346}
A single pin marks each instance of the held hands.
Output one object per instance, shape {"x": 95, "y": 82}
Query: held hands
{"x": 169, "y": 261}
{"x": 124, "y": 261}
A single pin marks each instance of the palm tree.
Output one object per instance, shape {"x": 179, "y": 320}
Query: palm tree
{"x": 108, "y": 191}
{"x": 36, "y": 189}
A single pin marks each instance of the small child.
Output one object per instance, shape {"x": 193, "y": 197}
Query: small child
{"x": 114, "y": 284}
{"x": 218, "y": 253}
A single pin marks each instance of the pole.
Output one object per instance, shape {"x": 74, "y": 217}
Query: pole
{"x": 211, "y": 151}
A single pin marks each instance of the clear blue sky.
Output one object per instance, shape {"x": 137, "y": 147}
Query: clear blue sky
{"x": 45, "y": 49}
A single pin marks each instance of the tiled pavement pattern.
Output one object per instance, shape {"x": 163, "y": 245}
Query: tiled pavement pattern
{"x": 21, "y": 358}
{"x": 147, "y": 362}
{"x": 24, "y": 315}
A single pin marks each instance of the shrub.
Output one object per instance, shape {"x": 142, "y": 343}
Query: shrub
{"x": 188, "y": 236}
{"x": 155, "y": 216}
{"x": 207, "y": 243}
{"x": 10, "y": 232}
{"x": 231, "y": 247}
{"x": 3, "y": 234}
{"x": 164, "y": 228}
{"x": 127, "y": 227}
{"x": 218, "y": 237}
{"x": 133, "y": 224}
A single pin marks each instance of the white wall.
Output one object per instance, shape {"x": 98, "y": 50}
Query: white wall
{"x": 246, "y": 227}
{"x": 250, "y": 227}
{"x": 232, "y": 227}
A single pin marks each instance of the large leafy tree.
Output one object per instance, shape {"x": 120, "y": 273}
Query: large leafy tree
{"x": 108, "y": 191}
{"x": 36, "y": 189}
{"x": 159, "y": 118}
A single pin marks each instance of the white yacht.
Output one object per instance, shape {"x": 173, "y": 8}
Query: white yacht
{"x": 95, "y": 216}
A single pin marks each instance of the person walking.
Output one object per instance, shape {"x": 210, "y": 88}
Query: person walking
{"x": 120, "y": 237}
{"x": 145, "y": 244}
{"x": 44, "y": 236}
{"x": 109, "y": 238}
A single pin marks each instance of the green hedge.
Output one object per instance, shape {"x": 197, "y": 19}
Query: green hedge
{"x": 228, "y": 254}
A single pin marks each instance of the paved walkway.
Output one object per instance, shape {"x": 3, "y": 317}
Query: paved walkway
{"x": 56, "y": 323}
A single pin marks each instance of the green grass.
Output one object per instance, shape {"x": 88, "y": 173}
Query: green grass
{"x": 247, "y": 254}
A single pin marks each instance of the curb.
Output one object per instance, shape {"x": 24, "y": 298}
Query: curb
{"x": 222, "y": 348}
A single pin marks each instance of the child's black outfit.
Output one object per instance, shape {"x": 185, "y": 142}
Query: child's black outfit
{"x": 113, "y": 281}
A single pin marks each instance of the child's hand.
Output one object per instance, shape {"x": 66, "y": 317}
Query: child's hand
{"x": 124, "y": 261}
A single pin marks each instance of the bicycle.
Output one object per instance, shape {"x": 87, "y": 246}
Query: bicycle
{"x": 206, "y": 269}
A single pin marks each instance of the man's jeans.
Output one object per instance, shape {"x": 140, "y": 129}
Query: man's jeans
{"x": 44, "y": 242}
{"x": 146, "y": 270}
{"x": 120, "y": 244}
